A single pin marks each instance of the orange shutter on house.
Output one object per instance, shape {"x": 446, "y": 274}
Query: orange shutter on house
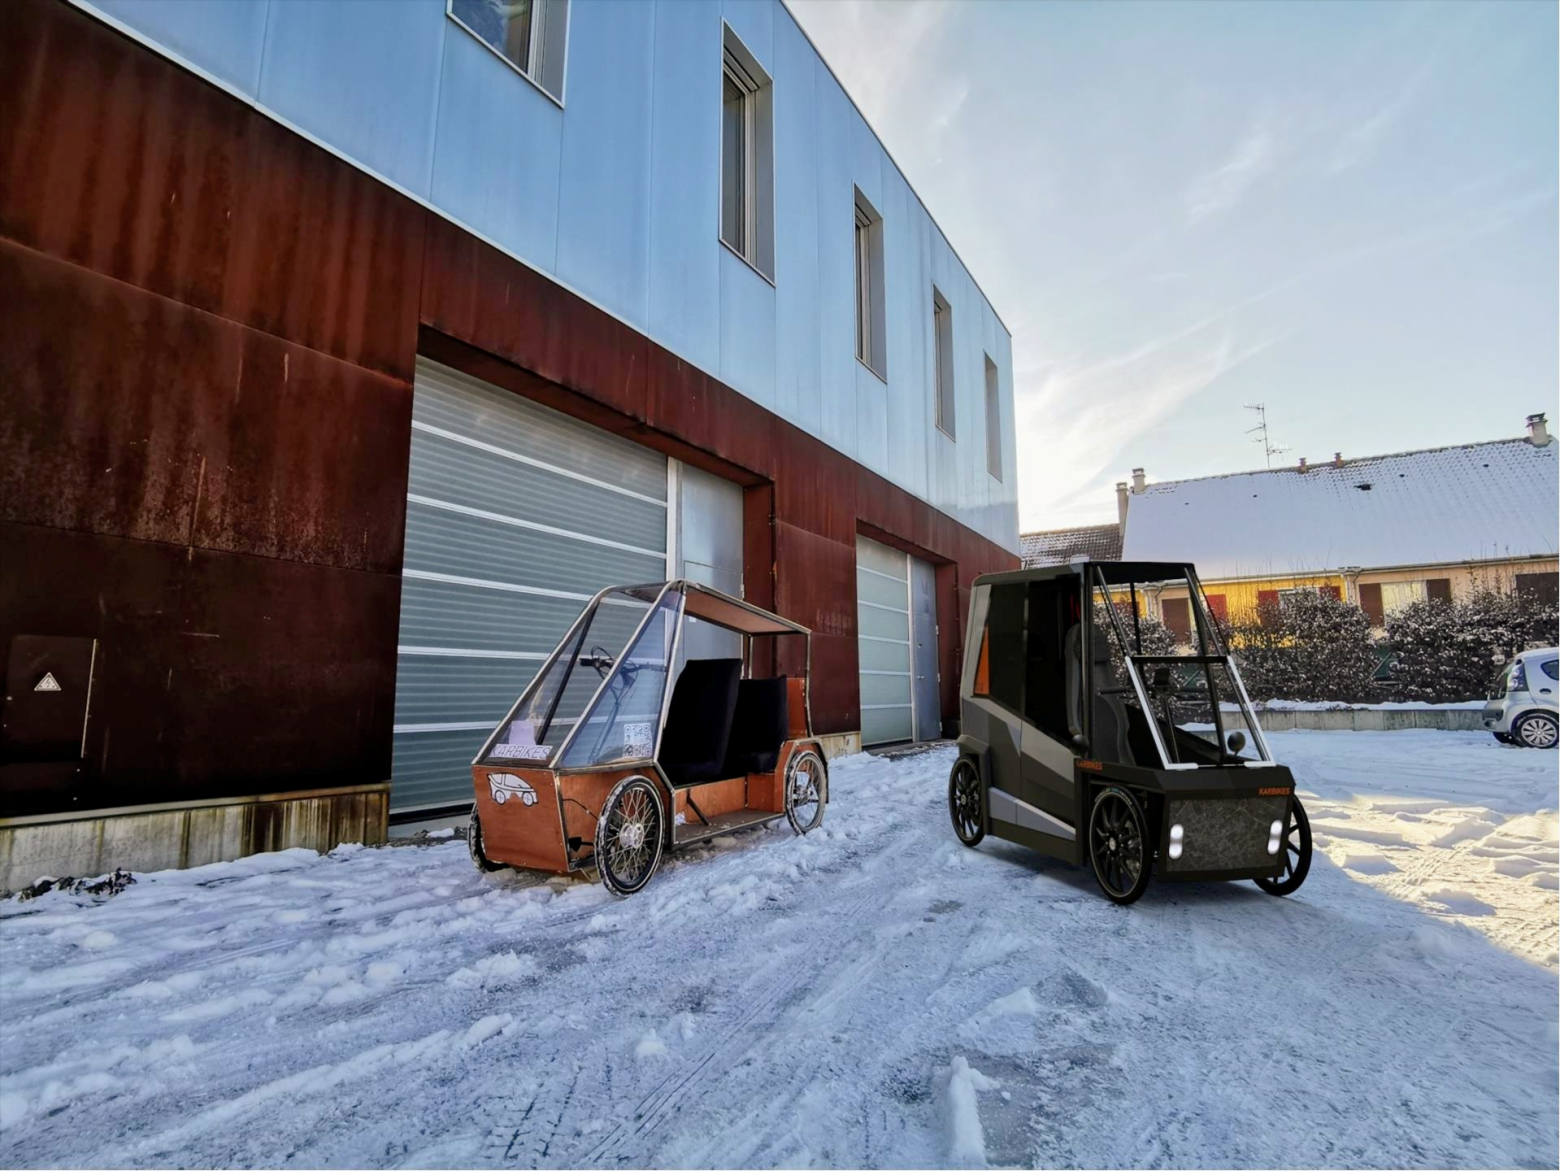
{"x": 1439, "y": 589}
{"x": 1267, "y": 606}
{"x": 1370, "y": 602}
{"x": 1178, "y": 618}
{"x": 1332, "y": 592}
{"x": 1219, "y": 607}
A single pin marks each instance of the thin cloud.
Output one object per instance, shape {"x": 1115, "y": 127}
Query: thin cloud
{"x": 1223, "y": 187}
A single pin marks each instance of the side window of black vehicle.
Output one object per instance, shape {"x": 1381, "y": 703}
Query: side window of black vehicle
{"x": 1005, "y": 642}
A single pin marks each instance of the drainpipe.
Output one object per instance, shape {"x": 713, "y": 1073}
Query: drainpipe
{"x": 1351, "y": 583}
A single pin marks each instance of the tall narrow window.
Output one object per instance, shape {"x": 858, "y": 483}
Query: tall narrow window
{"x": 942, "y": 370}
{"x": 529, "y": 34}
{"x": 993, "y": 419}
{"x": 746, "y": 158}
{"x": 871, "y": 342}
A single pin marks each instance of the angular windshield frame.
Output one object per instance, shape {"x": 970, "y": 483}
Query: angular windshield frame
{"x": 1211, "y": 652}
{"x": 589, "y": 710}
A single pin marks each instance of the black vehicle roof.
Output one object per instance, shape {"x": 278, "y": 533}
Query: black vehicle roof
{"x": 1114, "y": 572}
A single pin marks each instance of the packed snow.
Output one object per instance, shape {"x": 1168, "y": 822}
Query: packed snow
{"x": 872, "y": 994}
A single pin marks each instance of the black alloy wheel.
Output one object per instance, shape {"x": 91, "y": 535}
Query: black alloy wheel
{"x": 1297, "y": 855}
{"x": 1118, "y": 845}
{"x": 967, "y": 802}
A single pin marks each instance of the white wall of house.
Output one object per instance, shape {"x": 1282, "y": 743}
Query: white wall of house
{"x": 614, "y": 191}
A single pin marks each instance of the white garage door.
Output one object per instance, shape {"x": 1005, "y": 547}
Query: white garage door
{"x": 883, "y": 625}
{"x": 515, "y": 516}
{"x": 896, "y": 619}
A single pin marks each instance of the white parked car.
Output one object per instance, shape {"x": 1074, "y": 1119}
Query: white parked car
{"x": 1522, "y": 708}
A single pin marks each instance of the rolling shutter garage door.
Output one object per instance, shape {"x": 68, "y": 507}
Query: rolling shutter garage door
{"x": 515, "y": 516}
{"x": 883, "y": 626}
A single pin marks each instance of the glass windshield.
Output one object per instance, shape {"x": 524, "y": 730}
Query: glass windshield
{"x": 554, "y": 700}
{"x": 1167, "y": 662}
{"x": 625, "y": 719}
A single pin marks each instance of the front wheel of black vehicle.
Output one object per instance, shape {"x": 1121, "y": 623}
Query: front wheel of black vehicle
{"x": 967, "y": 802}
{"x": 1119, "y": 851}
{"x": 1297, "y": 856}
{"x": 630, "y": 834}
{"x": 474, "y": 845}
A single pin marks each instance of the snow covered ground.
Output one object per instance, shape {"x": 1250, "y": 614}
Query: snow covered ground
{"x": 872, "y": 994}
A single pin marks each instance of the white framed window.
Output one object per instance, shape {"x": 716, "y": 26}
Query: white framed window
{"x": 942, "y": 367}
{"x": 871, "y": 336}
{"x": 747, "y": 203}
{"x": 530, "y": 35}
{"x": 993, "y": 419}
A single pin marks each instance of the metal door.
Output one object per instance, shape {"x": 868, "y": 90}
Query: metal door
{"x": 926, "y": 694}
{"x": 516, "y": 515}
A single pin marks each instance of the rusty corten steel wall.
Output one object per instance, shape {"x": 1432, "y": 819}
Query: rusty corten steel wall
{"x": 206, "y": 361}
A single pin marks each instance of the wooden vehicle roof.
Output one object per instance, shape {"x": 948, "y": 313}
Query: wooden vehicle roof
{"x": 711, "y": 605}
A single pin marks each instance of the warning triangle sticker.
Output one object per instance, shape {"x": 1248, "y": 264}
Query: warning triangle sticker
{"x": 48, "y": 682}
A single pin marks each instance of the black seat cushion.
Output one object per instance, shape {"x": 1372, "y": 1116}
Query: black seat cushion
{"x": 758, "y": 728}
{"x": 698, "y": 723}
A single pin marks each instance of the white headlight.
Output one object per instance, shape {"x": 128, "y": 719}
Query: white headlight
{"x": 1177, "y": 833}
{"x": 1175, "y": 850}
{"x": 1276, "y": 829}
{"x": 1272, "y": 845}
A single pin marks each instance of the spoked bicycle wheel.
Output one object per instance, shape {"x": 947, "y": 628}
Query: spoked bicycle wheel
{"x": 805, "y": 786}
{"x": 630, "y": 835}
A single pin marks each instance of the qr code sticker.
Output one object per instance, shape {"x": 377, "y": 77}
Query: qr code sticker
{"x": 638, "y": 739}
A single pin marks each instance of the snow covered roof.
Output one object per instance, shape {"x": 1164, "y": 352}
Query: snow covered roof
{"x": 1059, "y": 546}
{"x": 1477, "y": 502}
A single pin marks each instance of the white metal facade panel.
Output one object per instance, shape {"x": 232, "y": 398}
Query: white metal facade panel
{"x": 709, "y": 550}
{"x": 615, "y": 195}
{"x": 515, "y": 516}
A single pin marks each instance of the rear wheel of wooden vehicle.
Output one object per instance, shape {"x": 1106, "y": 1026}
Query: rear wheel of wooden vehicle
{"x": 1118, "y": 845}
{"x": 630, "y": 835}
{"x": 967, "y": 802}
{"x": 806, "y": 782}
{"x": 1297, "y": 856}
{"x": 474, "y": 845}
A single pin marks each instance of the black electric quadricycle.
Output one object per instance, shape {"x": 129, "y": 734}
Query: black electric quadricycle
{"x": 1097, "y": 735}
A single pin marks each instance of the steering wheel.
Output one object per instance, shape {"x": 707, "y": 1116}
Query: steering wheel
{"x": 601, "y": 659}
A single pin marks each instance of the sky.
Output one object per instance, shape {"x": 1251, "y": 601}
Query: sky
{"x": 1345, "y": 211}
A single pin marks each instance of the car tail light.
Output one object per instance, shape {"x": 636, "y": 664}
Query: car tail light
{"x": 1518, "y": 678}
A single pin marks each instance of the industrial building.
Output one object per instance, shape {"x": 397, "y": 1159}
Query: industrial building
{"x": 348, "y": 351}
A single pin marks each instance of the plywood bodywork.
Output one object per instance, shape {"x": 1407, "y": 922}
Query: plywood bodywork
{"x": 537, "y": 835}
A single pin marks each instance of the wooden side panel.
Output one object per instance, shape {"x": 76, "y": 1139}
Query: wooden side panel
{"x": 521, "y": 831}
{"x": 715, "y": 798}
{"x": 796, "y": 705}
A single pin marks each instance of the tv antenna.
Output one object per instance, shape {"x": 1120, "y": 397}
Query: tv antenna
{"x": 1269, "y": 448}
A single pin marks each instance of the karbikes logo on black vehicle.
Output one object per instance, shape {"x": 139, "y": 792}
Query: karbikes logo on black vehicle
{"x": 1274, "y": 792}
